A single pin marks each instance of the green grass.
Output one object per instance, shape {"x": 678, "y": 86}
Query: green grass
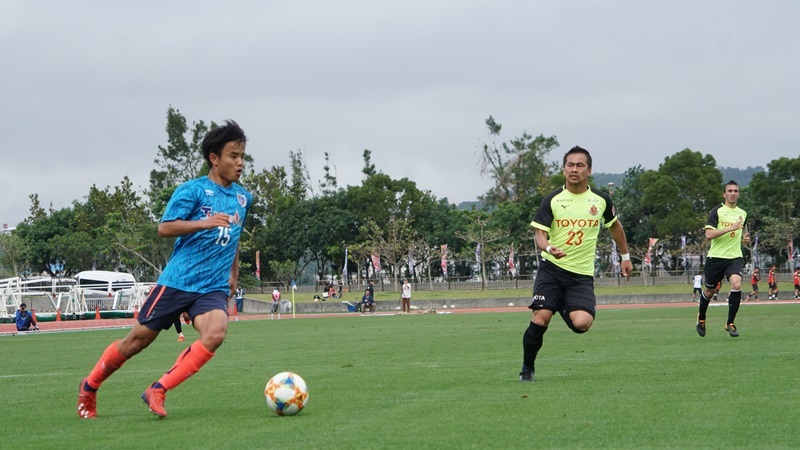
{"x": 640, "y": 378}
{"x": 421, "y": 294}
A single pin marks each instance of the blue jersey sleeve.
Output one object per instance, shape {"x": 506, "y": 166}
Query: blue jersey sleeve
{"x": 182, "y": 205}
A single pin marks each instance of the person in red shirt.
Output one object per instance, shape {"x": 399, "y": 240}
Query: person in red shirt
{"x": 773, "y": 284}
{"x": 754, "y": 279}
{"x": 797, "y": 283}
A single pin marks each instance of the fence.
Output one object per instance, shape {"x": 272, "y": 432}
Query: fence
{"x": 637, "y": 278}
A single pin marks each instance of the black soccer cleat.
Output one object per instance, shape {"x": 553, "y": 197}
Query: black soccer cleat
{"x": 731, "y": 328}
{"x": 701, "y": 327}
{"x": 526, "y": 376}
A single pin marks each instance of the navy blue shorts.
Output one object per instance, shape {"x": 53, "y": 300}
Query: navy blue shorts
{"x": 164, "y": 305}
{"x": 557, "y": 289}
{"x": 718, "y": 268}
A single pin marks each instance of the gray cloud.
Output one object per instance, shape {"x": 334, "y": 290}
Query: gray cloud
{"x": 86, "y": 85}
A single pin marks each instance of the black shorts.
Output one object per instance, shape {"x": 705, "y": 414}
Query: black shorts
{"x": 557, "y": 289}
{"x": 773, "y": 286}
{"x": 719, "y": 268}
{"x": 697, "y": 290}
{"x": 274, "y": 307}
{"x": 755, "y": 287}
{"x": 164, "y": 305}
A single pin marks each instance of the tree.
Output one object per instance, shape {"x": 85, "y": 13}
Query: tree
{"x": 392, "y": 242}
{"x": 42, "y": 241}
{"x": 634, "y": 216}
{"x": 369, "y": 169}
{"x": 180, "y": 160}
{"x": 518, "y": 168}
{"x": 314, "y": 230}
{"x": 36, "y": 210}
{"x": 300, "y": 179}
{"x": 680, "y": 194}
{"x": 482, "y": 236}
{"x": 775, "y": 234}
{"x": 13, "y": 255}
{"x": 774, "y": 197}
{"x": 284, "y": 271}
{"x": 329, "y": 184}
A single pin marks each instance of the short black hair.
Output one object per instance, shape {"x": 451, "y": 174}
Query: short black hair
{"x": 577, "y": 150}
{"x": 215, "y": 140}
{"x": 729, "y": 183}
{"x": 23, "y": 305}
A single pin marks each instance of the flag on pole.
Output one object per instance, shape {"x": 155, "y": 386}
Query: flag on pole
{"x": 755, "y": 251}
{"x": 511, "y": 267}
{"x": 258, "y": 265}
{"x": 683, "y": 251}
{"x": 410, "y": 264}
{"x": 647, "y": 259}
{"x": 444, "y": 260}
{"x": 294, "y": 288}
{"x": 376, "y": 262}
{"x": 344, "y": 267}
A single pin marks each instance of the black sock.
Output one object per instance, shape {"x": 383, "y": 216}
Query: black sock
{"x": 531, "y": 343}
{"x": 704, "y": 301}
{"x": 734, "y": 301}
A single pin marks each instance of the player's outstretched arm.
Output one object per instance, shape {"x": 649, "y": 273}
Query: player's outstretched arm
{"x": 618, "y": 235}
{"x": 175, "y": 228}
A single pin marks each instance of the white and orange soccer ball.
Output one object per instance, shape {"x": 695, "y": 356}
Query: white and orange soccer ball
{"x": 286, "y": 394}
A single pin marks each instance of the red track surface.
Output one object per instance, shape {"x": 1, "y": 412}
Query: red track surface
{"x": 76, "y": 325}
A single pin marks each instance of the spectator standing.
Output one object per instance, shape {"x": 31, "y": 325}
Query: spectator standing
{"x": 405, "y": 297}
{"x": 754, "y": 279}
{"x": 796, "y": 279}
{"x": 698, "y": 285}
{"x": 276, "y": 303}
{"x": 772, "y": 283}
{"x": 239, "y": 299}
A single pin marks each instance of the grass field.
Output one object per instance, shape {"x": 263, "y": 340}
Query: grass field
{"x": 422, "y": 294}
{"x": 640, "y": 378}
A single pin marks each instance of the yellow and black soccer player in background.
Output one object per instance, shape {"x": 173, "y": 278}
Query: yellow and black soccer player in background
{"x": 566, "y": 227}
{"x": 725, "y": 230}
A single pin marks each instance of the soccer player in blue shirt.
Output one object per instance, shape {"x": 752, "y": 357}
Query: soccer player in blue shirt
{"x": 25, "y": 320}
{"x": 206, "y": 215}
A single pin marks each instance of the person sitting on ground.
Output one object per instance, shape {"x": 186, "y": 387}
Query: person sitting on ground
{"x": 367, "y": 302}
{"x": 25, "y": 320}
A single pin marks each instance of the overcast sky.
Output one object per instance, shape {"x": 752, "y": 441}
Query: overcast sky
{"x": 85, "y": 85}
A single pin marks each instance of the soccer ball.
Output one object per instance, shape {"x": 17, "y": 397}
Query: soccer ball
{"x": 286, "y": 394}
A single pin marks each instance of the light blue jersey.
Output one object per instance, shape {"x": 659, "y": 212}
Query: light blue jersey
{"x": 201, "y": 262}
